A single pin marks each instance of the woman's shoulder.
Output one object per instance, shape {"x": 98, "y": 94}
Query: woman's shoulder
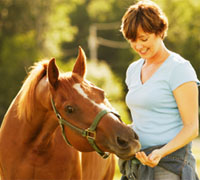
{"x": 135, "y": 64}
{"x": 177, "y": 59}
{"x": 180, "y": 71}
{"x": 177, "y": 63}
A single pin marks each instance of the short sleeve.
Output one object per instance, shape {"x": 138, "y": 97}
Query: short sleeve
{"x": 126, "y": 79}
{"x": 182, "y": 73}
{"x": 128, "y": 72}
{"x": 132, "y": 71}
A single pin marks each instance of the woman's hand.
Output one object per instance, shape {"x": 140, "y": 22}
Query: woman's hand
{"x": 151, "y": 160}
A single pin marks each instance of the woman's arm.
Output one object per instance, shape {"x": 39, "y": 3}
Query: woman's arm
{"x": 186, "y": 97}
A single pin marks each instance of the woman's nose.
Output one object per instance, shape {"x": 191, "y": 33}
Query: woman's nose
{"x": 138, "y": 46}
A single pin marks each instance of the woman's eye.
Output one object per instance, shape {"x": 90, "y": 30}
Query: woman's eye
{"x": 144, "y": 39}
{"x": 69, "y": 109}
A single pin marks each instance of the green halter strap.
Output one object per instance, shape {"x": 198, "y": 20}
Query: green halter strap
{"x": 89, "y": 133}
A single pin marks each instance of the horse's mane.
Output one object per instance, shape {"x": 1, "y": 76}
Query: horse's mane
{"x": 27, "y": 92}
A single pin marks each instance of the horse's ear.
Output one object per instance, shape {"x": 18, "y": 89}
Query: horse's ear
{"x": 53, "y": 73}
{"x": 80, "y": 65}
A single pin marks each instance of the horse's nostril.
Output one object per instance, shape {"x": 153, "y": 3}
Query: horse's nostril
{"x": 121, "y": 142}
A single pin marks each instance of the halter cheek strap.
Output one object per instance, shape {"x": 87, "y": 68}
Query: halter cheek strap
{"x": 89, "y": 133}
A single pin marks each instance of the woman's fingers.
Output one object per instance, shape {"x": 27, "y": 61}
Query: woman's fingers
{"x": 142, "y": 157}
{"x": 152, "y": 160}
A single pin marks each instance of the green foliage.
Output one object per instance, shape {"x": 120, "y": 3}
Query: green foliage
{"x": 99, "y": 10}
{"x": 29, "y": 30}
{"x": 32, "y": 30}
{"x": 183, "y": 34}
{"x": 58, "y": 28}
{"x": 84, "y": 14}
{"x": 16, "y": 52}
{"x": 20, "y": 45}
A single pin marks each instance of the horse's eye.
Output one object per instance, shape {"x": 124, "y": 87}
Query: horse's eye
{"x": 69, "y": 109}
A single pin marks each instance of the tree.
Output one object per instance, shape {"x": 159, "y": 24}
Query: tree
{"x": 29, "y": 30}
{"x": 32, "y": 30}
{"x": 183, "y": 34}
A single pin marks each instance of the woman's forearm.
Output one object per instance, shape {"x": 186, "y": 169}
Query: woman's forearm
{"x": 186, "y": 135}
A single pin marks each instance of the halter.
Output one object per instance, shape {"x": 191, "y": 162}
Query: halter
{"x": 89, "y": 133}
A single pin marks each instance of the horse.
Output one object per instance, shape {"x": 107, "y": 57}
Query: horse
{"x": 54, "y": 112}
{"x": 96, "y": 167}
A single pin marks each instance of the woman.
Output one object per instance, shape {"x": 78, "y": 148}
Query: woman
{"x": 162, "y": 97}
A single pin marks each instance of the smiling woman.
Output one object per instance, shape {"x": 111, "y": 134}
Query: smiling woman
{"x": 162, "y": 97}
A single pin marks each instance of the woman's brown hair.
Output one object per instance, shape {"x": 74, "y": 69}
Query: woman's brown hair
{"x": 146, "y": 14}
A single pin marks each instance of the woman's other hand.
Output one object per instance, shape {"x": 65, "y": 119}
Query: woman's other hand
{"x": 151, "y": 160}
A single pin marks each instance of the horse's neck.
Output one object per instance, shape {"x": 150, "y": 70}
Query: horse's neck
{"x": 40, "y": 130}
{"x": 37, "y": 131}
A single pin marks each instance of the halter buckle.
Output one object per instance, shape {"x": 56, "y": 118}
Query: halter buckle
{"x": 90, "y": 134}
{"x": 105, "y": 155}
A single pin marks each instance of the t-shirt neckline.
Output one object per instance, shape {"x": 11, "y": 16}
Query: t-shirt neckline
{"x": 154, "y": 74}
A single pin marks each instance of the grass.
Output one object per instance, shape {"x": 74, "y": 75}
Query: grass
{"x": 196, "y": 153}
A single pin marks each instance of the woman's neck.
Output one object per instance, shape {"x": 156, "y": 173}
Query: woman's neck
{"x": 159, "y": 57}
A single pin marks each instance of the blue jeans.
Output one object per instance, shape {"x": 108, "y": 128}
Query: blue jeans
{"x": 180, "y": 163}
{"x": 160, "y": 174}
{"x": 163, "y": 174}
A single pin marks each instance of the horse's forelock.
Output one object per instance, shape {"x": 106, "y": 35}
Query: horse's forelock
{"x": 26, "y": 101}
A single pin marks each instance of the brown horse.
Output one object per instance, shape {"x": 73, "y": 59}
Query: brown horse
{"x": 31, "y": 142}
{"x": 94, "y": 167}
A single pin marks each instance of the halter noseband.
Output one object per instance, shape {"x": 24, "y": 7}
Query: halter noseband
{"x": 89, "y": 133}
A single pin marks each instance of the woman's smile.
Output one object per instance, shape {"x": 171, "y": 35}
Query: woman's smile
{"x": 143, "y": 51}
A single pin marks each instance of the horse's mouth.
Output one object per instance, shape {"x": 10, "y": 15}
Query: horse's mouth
{"x": 129, "y": 151}
{"x": 127, "y": 156}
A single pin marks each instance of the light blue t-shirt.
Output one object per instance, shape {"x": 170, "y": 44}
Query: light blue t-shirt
{"x": 154, "y": 111}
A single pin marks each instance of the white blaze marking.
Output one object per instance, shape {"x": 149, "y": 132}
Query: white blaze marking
{"x": 78, "y": 88}
{"x": 81, "y": 92}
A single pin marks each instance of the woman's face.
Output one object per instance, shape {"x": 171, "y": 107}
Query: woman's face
{"x": 147, "y": 45}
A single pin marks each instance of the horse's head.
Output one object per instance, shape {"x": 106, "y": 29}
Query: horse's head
{"x": 81, "y": 104}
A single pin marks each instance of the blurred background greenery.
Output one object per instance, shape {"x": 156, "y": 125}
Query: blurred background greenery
{"x": 34, "y": 30}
